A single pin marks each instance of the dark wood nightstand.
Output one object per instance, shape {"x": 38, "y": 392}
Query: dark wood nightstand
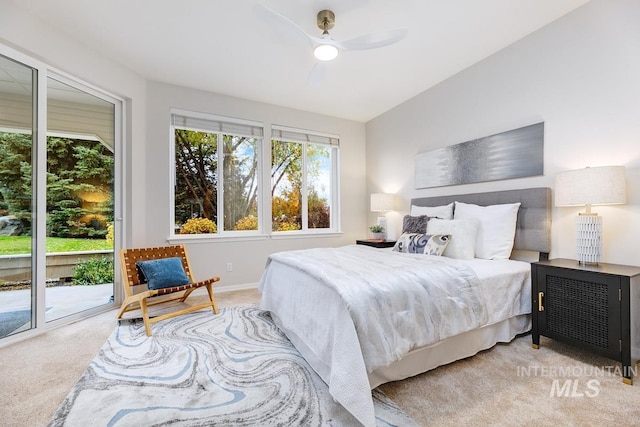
{"x": 595, "y": 307}
{"x": 377, "y": 243}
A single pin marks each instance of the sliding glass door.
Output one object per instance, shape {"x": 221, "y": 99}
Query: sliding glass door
{"x": 18, "y": 84}
{"x": 59, "y": 198}
{"x": 80, "y": 177}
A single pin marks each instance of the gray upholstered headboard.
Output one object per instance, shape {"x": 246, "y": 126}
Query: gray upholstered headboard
{"x": 533, "y": 229}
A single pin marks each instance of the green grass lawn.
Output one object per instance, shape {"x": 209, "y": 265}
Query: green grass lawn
{"x": 11, "y": 245}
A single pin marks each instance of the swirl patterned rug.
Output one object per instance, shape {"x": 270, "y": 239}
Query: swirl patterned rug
{"x": 233, "y": 369}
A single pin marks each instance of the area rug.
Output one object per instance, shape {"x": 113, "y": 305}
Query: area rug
{"x": 233, "y": 369}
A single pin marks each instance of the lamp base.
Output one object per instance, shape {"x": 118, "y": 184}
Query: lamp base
{"x": 589, "y": 238}
{"x": 382, "y": 221}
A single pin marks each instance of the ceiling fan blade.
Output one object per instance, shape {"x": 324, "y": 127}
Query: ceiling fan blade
{"x": 316, "y": 76}
{"x": 374, "y": 40}
{"x": 281, "y": 23}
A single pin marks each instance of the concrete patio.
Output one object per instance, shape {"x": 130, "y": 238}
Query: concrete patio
{"x": 60, "y": 301}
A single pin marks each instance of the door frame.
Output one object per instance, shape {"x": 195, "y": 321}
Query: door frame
{"x": 39, "y": 161}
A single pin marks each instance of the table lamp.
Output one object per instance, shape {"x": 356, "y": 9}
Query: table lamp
{"x": 603, "y": 185}
{"x": 382, "y": 202}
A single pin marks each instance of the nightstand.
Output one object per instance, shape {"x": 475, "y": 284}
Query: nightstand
{"x": 594, "y": 307}
{"x": 377, "y": 243}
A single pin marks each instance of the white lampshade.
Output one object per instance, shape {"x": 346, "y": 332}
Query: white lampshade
{"x": 591, "y": 186}
{"x": 325, "y": 52}
{"x": 382, "y": 202}
{"x": 604, "y": 185}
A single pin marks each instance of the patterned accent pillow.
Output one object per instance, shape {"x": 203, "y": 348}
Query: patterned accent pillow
{"x": 418, "y": 243}
{"x": 415, "y": 224}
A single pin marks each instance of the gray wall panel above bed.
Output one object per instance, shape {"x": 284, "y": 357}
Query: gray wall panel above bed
{"x": 533, "y": 229}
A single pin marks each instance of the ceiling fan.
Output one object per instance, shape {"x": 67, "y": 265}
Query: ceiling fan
{"x": 325, "y": 48}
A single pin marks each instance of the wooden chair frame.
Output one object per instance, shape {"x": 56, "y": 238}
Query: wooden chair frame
{"x": 141, "y": 300}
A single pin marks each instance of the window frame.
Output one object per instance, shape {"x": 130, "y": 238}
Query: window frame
{"x": 286, "y": 134}
{"x": 221, "y": 234}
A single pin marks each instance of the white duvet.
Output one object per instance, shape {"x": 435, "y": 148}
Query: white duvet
{"x": 352, "y": 309}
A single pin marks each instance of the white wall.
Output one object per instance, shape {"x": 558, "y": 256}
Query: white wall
{"x": 580, "y": 75}
{"x": 146, "y": 178}
{"x": 248, "y": 257}
{"x": 40, "y": 41}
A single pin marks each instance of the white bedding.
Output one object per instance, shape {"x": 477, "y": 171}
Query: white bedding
{"x": 349, "y": 321}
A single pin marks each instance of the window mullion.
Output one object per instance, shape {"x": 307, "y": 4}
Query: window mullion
{"x": 304, "y": 190}
{"x": 220, "y": 184}
{"x": 259, "y": 201}
{"x": 335, "y": 189}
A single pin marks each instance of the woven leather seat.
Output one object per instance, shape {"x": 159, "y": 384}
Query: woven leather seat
{"x": 148, "y": 297}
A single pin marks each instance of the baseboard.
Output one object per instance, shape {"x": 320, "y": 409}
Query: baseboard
{"x": 232, "y": 288}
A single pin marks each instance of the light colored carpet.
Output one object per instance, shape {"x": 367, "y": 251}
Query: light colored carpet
{"x": 487, "y": 389}
{"x": 513, "y": 384}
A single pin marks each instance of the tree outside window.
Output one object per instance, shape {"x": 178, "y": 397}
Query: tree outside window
{"x": 209, "y": 196}
{"x": 79, "y": 185}
{"x": 218, "y": 174}
{"x": 303, "y": 177}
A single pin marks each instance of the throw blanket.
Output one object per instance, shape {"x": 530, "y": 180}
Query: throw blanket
{"x": 398, "y": 302}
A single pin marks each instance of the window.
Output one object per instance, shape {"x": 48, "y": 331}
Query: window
{"x": 304, "y": 180}
{"x": 209, "y": 196}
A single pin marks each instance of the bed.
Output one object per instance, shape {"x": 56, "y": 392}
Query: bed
{"x": 363, "y": 316}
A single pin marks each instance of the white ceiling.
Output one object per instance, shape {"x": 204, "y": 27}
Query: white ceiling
{"x": 224, "y": 46}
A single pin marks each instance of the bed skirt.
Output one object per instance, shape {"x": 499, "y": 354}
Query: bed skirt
{"x": 430, "y": 357}
{"x": 451, "y": 349}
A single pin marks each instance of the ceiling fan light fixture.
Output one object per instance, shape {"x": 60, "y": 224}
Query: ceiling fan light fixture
{"x": 325, "y": 52}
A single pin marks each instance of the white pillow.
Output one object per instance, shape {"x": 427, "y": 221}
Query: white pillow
{"x": 442, "y": 212}
{"x": 463, "y": 236}
{"x": 497, "y": 227}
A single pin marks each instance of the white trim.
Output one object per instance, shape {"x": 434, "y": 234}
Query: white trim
{"x": 38, "y": 189}
{"x": 278, "y": 235}
{"x": 213, "y": 117}
{"x": 336, "y": 221}
{"x": 299, "y": 130}
{"x": 234, "y": 288}
{"x": 119, "y": 194}
{"x": 213, "y": 238}
{"x": 171, "y": 165}
{"x": 304, "y": 203}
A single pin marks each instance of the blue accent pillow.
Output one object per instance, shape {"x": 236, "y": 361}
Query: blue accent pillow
{"x": 163, "y": 273}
